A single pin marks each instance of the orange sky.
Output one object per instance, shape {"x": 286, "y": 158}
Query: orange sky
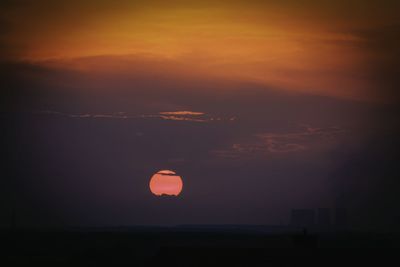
{"x": 304, "y": 46}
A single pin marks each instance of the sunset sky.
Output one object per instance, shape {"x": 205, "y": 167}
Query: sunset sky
{"x": 321, "y": 47}
{"x": 260, "y": 105}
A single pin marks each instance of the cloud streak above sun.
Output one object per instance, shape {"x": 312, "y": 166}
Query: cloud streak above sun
{"x": 188, "y": 116}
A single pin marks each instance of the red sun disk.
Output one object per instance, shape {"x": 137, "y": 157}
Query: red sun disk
{"x": 166, "y": 182}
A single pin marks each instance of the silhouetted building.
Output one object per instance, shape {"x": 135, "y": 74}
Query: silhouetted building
{"x": 324, "y": 218}
{"x": 341, "y": 218}
{"x": 302, "y": 218}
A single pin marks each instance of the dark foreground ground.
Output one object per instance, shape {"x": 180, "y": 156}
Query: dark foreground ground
{"x": 183, "y": 247}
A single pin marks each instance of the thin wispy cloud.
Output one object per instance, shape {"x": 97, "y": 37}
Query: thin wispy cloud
{"x": 188, "y": 116}
{"x": 306, "y": 138}
{"x": 182, "y": 113}
{"x": 297, "y": 141}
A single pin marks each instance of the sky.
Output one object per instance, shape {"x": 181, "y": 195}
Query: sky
{"x": 260, "y": 106}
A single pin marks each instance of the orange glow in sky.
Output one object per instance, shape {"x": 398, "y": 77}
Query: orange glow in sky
{"x": 283, "y": 45}
{"x": 166, "y": 182}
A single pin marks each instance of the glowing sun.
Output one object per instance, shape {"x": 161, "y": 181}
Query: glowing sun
{"x": 166, "y": 182}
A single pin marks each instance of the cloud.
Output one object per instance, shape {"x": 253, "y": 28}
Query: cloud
{"x": 184, "y": 112}
{"x": 383, "y": 46}
{"x": 297, "y": 141}
{"x": 189, "y": 116}
{"x": 180, "y": 118}
{"x": 117, "y": 115}
{"x": 166, "y": 172}
{"x": 306, "y": 138}
{"x": 291, "y": 54}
